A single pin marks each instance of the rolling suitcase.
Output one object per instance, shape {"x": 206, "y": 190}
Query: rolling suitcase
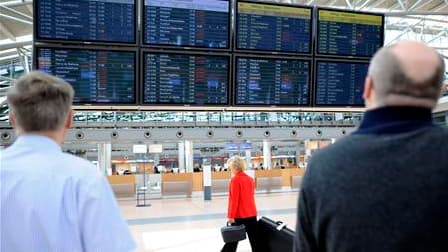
{"x": 274, "y": 236}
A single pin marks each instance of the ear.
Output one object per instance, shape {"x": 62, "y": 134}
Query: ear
{"x": 69, "y": 120}
{"x": 12, "y": 119}
{"x": 368, "y": 89}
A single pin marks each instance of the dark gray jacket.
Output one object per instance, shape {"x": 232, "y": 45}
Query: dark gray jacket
{"x": 377, "y": 191}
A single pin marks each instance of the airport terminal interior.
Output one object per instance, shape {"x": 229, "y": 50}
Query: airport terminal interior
{"x": 168, "y": 90}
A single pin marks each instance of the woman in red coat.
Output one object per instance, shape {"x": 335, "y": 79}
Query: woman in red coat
{"x": 241, "y": 209}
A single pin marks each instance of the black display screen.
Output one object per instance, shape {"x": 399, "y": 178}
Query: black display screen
{"x": 269, "y": 27}
{"x": 87, "y": 20}
{"x": 195, "y": 23}
{"x": 185, "y": 79}
{"x": 340, "y": 83}
{"x": 97, "y": 76}
{"x": 269, "y": 81}
{"x": 341, "y": 33}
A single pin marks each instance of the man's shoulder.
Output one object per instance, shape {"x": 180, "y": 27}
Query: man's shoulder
{"x": 340, "y": 147}
{"x": 78, "y": 165}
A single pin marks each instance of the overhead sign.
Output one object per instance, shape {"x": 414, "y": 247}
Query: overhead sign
{"x": 155, "y": 148}
{"x": 139, "y": 148}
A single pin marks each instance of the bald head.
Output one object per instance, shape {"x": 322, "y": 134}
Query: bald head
{"x": 406, "y": 74}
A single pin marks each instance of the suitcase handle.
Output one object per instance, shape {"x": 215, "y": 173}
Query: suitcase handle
{"x": 281, "y": 226}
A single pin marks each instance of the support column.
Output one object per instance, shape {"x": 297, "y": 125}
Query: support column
{"x": 181, "y": 156}
{"x": 188, "y": 156}
{"x": 207, "y": 179}
{"x": 267, "y": 155}
{"x": 104, "y": 157}
{"x": 300, "y": 150}
{"x": 248, "y": 160}
{"x": 156, "y": 159}
{"x": 308, "y": 152}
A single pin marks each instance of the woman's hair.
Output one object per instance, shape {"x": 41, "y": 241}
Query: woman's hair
{"x": 237, "y": 162}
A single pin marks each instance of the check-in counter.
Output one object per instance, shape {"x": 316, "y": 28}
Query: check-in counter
{"x": 122, "y": 185}
{"x": 220, "y": 182}
{"x": 177, "y": 184}
{"x": 268, "y": 180}
{"x": 185, "y": 184}
{"x": 296, "y": 178}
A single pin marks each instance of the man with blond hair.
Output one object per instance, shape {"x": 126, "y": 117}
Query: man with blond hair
{"x": 384, "y": 187}
{"x": 50, "y": 200}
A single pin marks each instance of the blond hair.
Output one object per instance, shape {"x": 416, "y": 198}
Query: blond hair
{"x": 237, "y": 162}
{"x": 40, "y": 102}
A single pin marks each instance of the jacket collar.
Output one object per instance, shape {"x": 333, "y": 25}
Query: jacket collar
{"x": 397, "y": 119}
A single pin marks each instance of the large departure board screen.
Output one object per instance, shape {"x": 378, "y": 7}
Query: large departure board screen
{"x": 269, "y": 27}
{"x": 97, "y": 76}
{"x": 272, "y": 81}
{"x": 185, "y": 79}
{"x": 340, "y": 83}
{"x": 88, "y": 20}
{"x": 192, "y": 23}
{"x": 342, "y": 33}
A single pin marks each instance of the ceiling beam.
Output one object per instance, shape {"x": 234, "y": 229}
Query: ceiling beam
{"x": 378, "y": 3}
{"x": 364, "y": 4}
{"x": 17, "y": 12}
{"x": 415, "y": 13}
{"x": 349, "y": 4}
{"x": 16, "y": 19}
{"x": 442, "y": 33}
{"x": 7, "y": 32}
{"x": 30, "y": 8}
{"x": 401, "y": 4}
{"x": 14, "y": 45}
{"x": 16, "y": 3}
{"x": 312, "y": 1}
{"x": 439, "y": 7}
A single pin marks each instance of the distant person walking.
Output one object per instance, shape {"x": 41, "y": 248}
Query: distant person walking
{"x": 241, "y": 208}
{"x": 384, "y": 187}
{"x": 50, "y": 200}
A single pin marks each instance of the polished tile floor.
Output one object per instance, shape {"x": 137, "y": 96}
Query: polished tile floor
{"x": 192, "y": 224}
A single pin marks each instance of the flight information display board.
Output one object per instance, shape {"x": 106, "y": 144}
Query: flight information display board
{"x": 88, "y": 20}
{"x": 185, "y": 79}
{"x": 340, "y": 83}
{"x": 193, "y": 23}
{"x": 269, "y": 81}
{"x": 97, "y": 76}
{"x": 342, "y": 33}
{"x": 270, "y": 27}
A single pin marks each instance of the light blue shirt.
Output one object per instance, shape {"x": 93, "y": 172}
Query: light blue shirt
{"x": 53, "y": 201}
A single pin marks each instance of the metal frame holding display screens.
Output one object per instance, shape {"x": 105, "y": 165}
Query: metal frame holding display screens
{"x": 292, "y": 13}
{"x": 339, "y": 85}
{"x": 84, "y": 15}
{"x": 173, "y": 24}
{"x": 177, "y": 82}
{"x": 79, "y": 73}
{"x": 364, "y": 20}
{"x": 259, "y": 81}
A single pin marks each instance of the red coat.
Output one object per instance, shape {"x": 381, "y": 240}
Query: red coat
{"x": 241, "y": 197}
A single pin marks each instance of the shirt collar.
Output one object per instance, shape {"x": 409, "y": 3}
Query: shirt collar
{"x": 37, "y": 141}
{"x": 389, "y": 120}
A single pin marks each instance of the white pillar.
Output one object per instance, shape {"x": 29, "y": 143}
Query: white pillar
{"x": 181, "y": 155}
{"x": 248, "y": 159}
{"x": 188, "y": 156}
{"x": 267, "y": 155}
{"x": 157, "y": 159}
{"x": 104, "y": 157}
